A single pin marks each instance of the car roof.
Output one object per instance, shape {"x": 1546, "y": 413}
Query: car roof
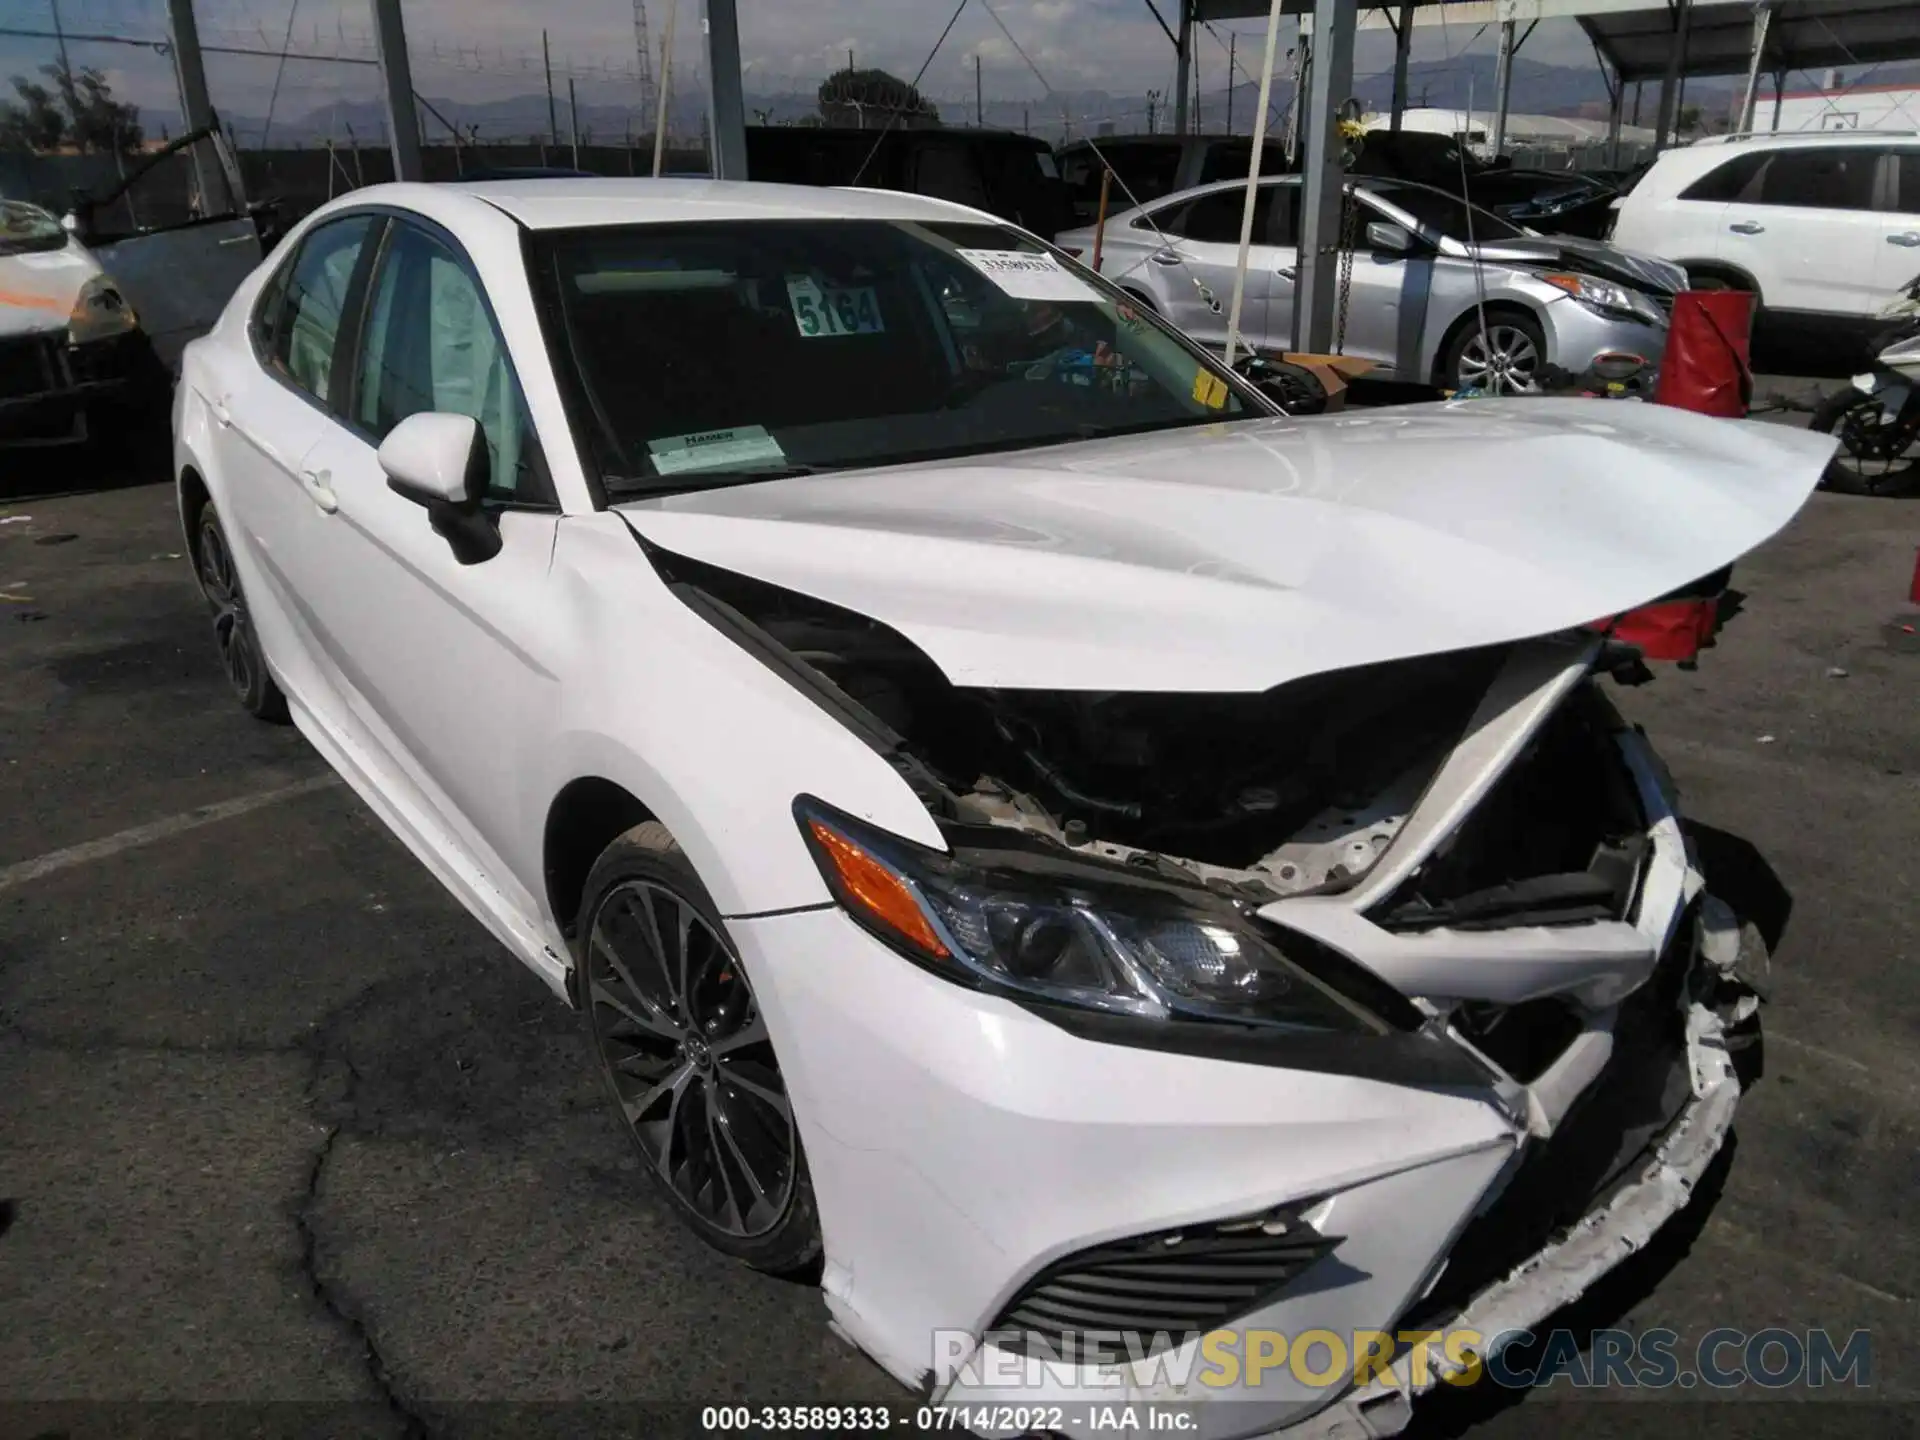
{"x": 562, "y": 204}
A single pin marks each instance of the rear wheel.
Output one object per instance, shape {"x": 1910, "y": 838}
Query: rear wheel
{"x": 684, "y": 1049}
{"x": 1877, "y": 449}
{"x": 233, "y": 631}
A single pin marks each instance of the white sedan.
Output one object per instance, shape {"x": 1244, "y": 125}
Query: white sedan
{"x": 1073, "y": 857}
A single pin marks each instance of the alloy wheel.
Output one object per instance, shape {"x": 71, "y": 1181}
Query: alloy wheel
{"x": 1505, "y": 361}
{"x": 1874, "y": 445}
{"x": 680, "y": 1036}
{"x": 232, "y": 630}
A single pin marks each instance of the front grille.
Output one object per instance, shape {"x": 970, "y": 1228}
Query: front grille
{"x": 29, "y": 365}
{"x": 1169, "y": 1283}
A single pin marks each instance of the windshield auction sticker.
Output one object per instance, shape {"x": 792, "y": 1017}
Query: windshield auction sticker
{"x": 1029, "y": 276}
{"x": 735, "y": 449}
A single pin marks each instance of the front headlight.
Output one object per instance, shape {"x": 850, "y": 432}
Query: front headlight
{"x": 1028, "y": 919}
{"x": 1608, "y": 298}
{"x": 100, "y": 312}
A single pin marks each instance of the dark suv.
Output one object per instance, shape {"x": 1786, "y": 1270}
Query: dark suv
{"x": 1006, "y": 174}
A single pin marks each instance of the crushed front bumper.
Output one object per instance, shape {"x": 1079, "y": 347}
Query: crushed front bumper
{"x": 48, "y": 387}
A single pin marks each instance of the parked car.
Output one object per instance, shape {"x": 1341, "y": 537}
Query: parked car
{"x": 1822, "y": 227}
{"x": 1009, "y": 175}
{"x": 70, "y": 342}
{"x": 1151, "y": 167}
{"x": 964, "y": 752}
{"x": 1419, "y": 287}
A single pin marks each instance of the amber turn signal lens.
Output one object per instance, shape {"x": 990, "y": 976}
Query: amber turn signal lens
{"x": 875, "y": 891}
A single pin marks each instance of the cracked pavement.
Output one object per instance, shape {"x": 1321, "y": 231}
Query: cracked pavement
{"x": 285, "y": 1138}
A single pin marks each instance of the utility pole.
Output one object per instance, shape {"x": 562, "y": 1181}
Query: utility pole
{"x": 643, "y": 49}
{"x": 1233, "y": 39}
{"x": 979, "y": 105}
{"x": 553, "y": 116}
{"x": 60, "y": 37}
{"x": 663, "y": 89}
{"x": 573, "y": 120}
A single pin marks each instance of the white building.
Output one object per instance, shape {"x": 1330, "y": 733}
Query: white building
{"x": 1532, "y": 130}
{"x": 1860, "y": 107}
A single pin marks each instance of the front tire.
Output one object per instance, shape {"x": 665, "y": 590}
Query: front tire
{"x": 1508, "y": 360}
{"x": 239, "y": 643}
{"x": 1868, "y": 462}
{"x": 684, "y": 1050}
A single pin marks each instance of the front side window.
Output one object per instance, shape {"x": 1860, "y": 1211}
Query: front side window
{"x": 1821, "y": 179}
{"x": 430, "y": 344}
{"x": 705, "y": 354}
{"x": 299, "y": 318}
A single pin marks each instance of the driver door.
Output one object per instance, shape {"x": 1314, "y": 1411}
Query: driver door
{"x": 177, "y": 249}
{"x": 446, "y": 670}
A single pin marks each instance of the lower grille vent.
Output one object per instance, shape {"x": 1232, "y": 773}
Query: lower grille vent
{"x": 1175, "y": 1282}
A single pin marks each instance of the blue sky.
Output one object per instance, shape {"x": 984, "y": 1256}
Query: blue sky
{"x": 488, "y": 49}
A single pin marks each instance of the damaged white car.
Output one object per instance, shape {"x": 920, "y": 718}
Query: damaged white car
{"x": 1066, "y": 849}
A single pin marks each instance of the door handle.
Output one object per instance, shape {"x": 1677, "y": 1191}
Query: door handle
{"x": 1285, "y": 272}
{"x": 222, "y": 416}
{"x": 1165, "y": 257}
{"x": 319, "y": 489}
{"x": 1908, "y": 238}
{"x": 1746, "y": 227}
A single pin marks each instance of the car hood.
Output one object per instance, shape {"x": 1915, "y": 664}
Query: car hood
{"x": 1593, "y": 257}
{"x": 1239, "y": 556}
{"x": 37, "y": 290}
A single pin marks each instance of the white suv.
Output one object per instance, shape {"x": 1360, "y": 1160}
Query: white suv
{"x": 1819, "y": 225}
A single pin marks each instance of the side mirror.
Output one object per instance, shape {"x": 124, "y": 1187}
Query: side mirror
{"x": 1394, "y": 239}
{"x": 70, "y": 223}
{"x": 440, "y": 461}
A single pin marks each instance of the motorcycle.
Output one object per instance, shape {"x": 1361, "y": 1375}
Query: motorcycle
{"x": 1877, "y": 417}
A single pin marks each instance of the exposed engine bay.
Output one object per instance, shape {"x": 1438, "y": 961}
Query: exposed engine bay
{"x": 1295, "y": 790}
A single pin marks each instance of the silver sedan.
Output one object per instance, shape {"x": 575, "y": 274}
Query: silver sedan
{"x": 1424, "y": 263}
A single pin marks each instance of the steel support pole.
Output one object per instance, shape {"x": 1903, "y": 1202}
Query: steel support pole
{"x": 726, "y": 106}
{"x": 1329, "y": 83}
{"x": 1762, "y": 21}
{"x": 1402, "y": 52}
{"x": 1670, "y": 82}
{"x": 1183, "y": 54}
{"x": 189, "y": 69}
{"x": 1779, "y": 94}
{"x": 1502, "y": 86}
{"x": 403, "y": 122}
{"x": 1615, "y": 106}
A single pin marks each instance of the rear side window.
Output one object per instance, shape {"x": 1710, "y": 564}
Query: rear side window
{"x": 1215, "y": 218}
{"x": 1727, "y": 181}
{"x": 298, "y": 323}
{"x": 1837, "y": 179}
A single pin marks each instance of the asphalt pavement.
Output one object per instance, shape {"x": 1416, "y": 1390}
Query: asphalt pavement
{"x": 289, "y": 1145}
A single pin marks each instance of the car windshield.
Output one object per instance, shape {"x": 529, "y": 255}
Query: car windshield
{"x": 705, "y": 354}
{"x": 26, "y": 229}
{"x": 1445, "y": 214}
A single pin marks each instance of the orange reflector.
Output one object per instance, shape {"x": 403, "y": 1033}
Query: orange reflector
{"x": 877, "y": 892}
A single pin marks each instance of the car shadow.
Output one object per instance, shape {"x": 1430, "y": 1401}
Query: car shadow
{"x": 1740, "y": 875}
{"x": 1448, "y": 1412}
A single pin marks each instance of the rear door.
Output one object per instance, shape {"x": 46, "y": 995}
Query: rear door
{"x": 269, "y": 408}
{"x": 1199, "y": 261}
{"x": 1804, "y": 226}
